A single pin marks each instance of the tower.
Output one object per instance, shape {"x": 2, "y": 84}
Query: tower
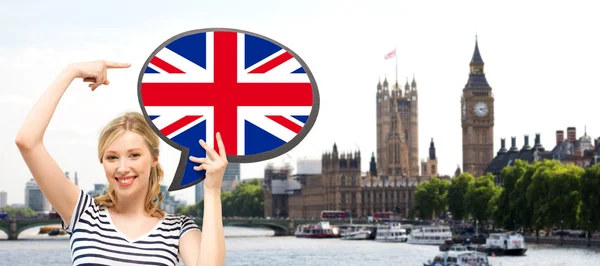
{"x": 413, "y": 129}
{"x": 397, "y": 141}
{"x": 477, "y": 118}
{"x": 429, "y": 168}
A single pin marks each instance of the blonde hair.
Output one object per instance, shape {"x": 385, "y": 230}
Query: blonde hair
{"x": 134, "y": 122}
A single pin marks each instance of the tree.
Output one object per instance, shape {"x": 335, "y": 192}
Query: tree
{"x": 430, "y": 198}
{"x": 503, "y": 214}
{"x": 538, "y": 192}
{"x": 19, "y": 212}
{"x": 479, "y": 194}
{"x": 589, "y": 216}
{"x": 564, "y": 195}
{"x": 456, "y": 195}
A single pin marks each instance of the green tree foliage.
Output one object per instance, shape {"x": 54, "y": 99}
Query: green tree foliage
{"x": 538, "y": 192}
{"x": 543, "y": 194}
{"x": 479, "y": 195}
{"x": 456, "y": 195}
{"x": 430, "y": 198}
{"x": 519, "y": 204}
{"x": 18, "y": 212}
{"x": 589, "y": 215}
{"x": 246, "y": 200}
{"x": 499, "y": 206}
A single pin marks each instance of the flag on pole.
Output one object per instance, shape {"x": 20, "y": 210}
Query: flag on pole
{"x": 391, "y": 54}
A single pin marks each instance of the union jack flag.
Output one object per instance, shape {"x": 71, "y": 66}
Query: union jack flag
{"x": 251, "y": 90}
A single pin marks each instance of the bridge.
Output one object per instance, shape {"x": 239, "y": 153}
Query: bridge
{"x": 281, "y": 227}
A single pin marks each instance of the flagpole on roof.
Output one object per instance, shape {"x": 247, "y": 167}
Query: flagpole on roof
{"x": 396, "y": 56}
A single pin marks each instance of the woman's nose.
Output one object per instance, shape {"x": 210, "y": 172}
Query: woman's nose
{"x": 123, "y": 166}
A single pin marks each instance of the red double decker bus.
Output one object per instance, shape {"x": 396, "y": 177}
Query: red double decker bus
{"x": 334, "y": 215}
{"x": 382, "y": 216}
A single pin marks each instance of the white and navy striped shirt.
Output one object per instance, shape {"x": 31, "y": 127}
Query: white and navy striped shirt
{"x": 94, "y": 240}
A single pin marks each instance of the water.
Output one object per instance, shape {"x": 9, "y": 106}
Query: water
{"x": 250, "y": 246}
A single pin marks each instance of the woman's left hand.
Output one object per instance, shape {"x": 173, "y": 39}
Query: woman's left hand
{"x": 214, "y": 164}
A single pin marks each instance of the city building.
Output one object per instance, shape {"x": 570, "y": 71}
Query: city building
{"x": 3, "y": 199}
{"x": 169, "y": 204}
{"x": 35, "y": 199}
{"x": 583, "y": 152}
{"x": 231, "y": 177}
{"x": 336, "y": 182}
{"x": 99, "y": 190}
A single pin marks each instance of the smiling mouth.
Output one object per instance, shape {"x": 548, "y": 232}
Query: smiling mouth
{"x": 126, "y": 180}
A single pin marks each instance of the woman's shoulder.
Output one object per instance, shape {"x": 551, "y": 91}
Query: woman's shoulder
{"x": 183, "y": 222}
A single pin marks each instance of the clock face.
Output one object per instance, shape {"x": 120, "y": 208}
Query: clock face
{"x": 481, "y": 109}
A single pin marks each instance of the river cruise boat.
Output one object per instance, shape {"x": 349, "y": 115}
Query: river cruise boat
{"x": 505, "y": 244}
{"x": 429, "y": 235}
{"x": 458, "y": 255}
{"x": 356, "y": 232}
{"x": 391, "y": 232}
{"x": 317, "y": 230}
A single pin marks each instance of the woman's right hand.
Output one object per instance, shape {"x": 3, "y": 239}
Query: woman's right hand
{"x": 95, "y": 71}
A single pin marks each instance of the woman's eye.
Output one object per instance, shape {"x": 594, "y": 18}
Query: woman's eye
{"x": 135, "y": 155}
{"x": 111, "y": 157}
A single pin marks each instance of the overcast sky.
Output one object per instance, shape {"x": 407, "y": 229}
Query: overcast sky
{"x": 541, "y": 61}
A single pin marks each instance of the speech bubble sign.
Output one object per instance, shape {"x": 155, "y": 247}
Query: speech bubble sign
{"x": 259, "y": 94}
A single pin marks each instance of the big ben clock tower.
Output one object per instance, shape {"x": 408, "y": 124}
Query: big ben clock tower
{"x": 477, "y": 117}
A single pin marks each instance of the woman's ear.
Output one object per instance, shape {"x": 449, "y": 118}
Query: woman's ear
{"x": 154, "y": 161}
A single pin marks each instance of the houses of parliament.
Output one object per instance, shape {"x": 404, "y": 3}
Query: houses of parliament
{"x": 395, "y": 171}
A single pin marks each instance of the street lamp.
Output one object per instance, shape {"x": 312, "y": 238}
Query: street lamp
{"x": 561, "y": 232}
{"x": 588, "y": 235}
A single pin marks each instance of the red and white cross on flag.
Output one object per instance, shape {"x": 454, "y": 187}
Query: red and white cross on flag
{"x": 391, "y": 54}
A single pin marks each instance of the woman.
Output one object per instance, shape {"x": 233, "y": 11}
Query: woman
{"x": 126, "y": 226}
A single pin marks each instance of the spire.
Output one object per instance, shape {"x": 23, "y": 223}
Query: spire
{"x": 414, "y": 83}
{"x": 379, "y": 84}
{"x": 385, "y": 82}
{"x": 476, "y": 60}
{"x": 335, "y": 148}
{"x": 477, "y": 78}
{"x": 432, "y": 151}
{"x": 373, "y": 165}
{"x": 406, "y": 87}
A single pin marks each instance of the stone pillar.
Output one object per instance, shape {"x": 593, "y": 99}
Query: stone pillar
{"x": 291, "y": 228}
{"x": 12, "y": 225}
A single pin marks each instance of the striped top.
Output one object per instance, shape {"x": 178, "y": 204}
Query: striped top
{"x": 94, "y": 239}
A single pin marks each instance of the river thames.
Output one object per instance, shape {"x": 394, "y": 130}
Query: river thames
{"x": 248, "y": 246}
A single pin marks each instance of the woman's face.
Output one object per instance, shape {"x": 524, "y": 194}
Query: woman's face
{"x": 127, "y": 163}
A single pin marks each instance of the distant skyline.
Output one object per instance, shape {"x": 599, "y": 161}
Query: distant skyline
{"x": 540, "y": 60}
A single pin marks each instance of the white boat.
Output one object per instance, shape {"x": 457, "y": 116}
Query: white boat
{"x": 318, "y": 230}
{"x": 356, "y": 232}
{"x": 459, "y": 256}
{"x": 392, "y": 232}
{"x": 505, "y": 244}
{"x": 429, "y": 235}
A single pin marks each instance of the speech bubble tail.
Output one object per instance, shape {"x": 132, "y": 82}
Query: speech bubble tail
{"x": 185, "y": 175}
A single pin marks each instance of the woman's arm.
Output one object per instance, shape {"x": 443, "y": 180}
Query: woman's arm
{"x": 59, "y": 191}
{"x": 207, "y": 248}
{"x": 213, "y": 237}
